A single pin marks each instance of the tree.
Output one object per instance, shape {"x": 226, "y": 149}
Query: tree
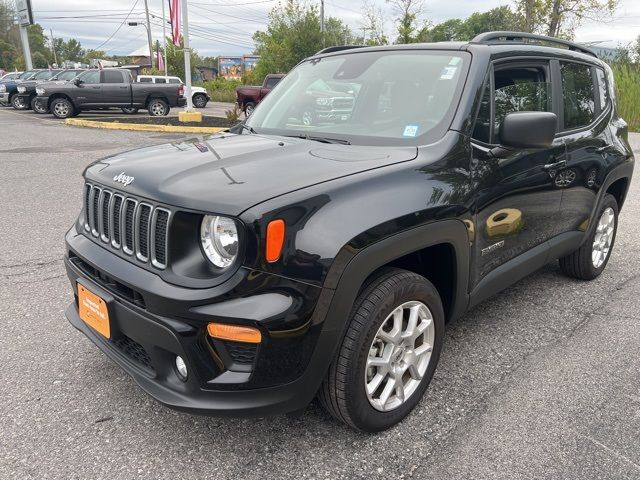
{"x": 92, "y": 54}
{"x": 408, "y": 12}
{"x": 293, "y": 33}
{"x": 373, "y": 25}
{"x": 175, "y": 59}
{"x": 72, "y": 50}
{"x": 561, "y": 17}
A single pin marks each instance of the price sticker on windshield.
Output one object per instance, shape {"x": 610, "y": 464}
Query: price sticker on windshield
{"x": 411, "y": 130}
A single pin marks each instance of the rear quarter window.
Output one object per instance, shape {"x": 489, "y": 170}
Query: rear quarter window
{"x": 578, "y": 95}
{"x": 603, "y": 90}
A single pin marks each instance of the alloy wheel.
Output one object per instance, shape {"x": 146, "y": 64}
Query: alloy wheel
{"x": 399, "y": 356}
{"x": 603, "y": 238}
{"x": 61, "y": 109}
{"x": 157, "y": 109}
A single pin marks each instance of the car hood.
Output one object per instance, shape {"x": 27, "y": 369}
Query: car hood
{"x": 230, "y": 173}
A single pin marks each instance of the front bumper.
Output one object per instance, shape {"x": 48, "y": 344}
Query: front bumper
{"x": 158, "y": 321}
{"x": 42, "y": 101}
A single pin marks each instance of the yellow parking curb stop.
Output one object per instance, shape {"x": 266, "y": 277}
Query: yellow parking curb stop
{"x": 76, "y": 122}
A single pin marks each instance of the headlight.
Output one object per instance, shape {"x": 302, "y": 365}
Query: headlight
{"x": 219, "y": 237}
{"x": 22, "y": 89}
{"x": 3, "y": 88}
{"x": 40, "y": 91}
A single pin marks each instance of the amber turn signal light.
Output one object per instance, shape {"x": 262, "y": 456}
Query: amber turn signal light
{"x": 235, "y": 333}
{"x": 275, "y": 240}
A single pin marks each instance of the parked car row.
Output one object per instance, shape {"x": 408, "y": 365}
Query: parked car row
{"x": 65, "y": 93}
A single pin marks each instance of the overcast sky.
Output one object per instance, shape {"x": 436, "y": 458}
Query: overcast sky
{"x": 226, "y": 26}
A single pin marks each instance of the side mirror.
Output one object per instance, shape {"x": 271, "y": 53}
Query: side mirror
{"x": 77, "y": 82}
{"x": 528, "y": 130}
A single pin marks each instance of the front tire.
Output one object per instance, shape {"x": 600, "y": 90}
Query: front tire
{"x": 158, "y": 108}
{"x": 389, "y": 353}
{"x": 37, "y": 106}
{"x": 62, "y": 108}
{"x": 590, "y": 260}
{"x": 18, "y": 103}
{"x": 199, "y": 100}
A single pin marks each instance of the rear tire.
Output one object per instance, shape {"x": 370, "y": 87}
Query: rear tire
{"x": 350, "y": 391}
{"x": 590, "y": 260}
{"x": 62, "y": 108}
{"x": 199, "y": 100}
{"x": 130, "y": 110}
{"x": 158, "y": 108}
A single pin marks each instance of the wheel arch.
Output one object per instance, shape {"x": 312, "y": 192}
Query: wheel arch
{"x": 60, "y": 95}
{"x": 156, "y": 96}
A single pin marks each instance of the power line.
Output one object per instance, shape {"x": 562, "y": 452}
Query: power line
{"x": 119, "y": 26}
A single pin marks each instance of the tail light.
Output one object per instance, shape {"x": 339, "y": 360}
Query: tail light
{"x": 181, "y": 90}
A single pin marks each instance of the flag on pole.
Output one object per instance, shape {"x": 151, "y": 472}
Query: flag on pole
{"x": 160, "y": 61}
{"x": 100, "y": 65}
{"x": 174, "y": 15}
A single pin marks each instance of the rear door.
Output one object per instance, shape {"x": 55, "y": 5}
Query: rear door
{"x": 115, "y": 87}
{"x": 517, "y": 202}
{"x": 585, "y": 113}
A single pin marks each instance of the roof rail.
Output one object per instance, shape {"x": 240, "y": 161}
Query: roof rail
{"x": 521, "y": 38}
{"x": 338, "y": 48}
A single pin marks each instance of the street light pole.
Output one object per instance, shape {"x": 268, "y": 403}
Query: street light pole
{"x": 146, "y": 8}
{"x": 322, "y": 21}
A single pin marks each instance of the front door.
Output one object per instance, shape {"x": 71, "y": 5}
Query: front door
{"x": 517, "y": 203}
{"x": 89, "y": 92}
{"x": 115, "y": 90}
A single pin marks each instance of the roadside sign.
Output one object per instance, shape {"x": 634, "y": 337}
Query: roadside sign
{"x": 25, "y": 14}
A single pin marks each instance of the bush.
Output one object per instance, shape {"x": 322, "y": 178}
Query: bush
{"x": 627, "y": 82}
{"x": 221, "y": 89}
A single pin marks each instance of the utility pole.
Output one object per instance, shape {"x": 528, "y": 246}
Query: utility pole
{"x": 146, "y": 9}
{"x": 53, "y": 48}
{"x": 322, "y": 21}
{"x": 164, "y": 39}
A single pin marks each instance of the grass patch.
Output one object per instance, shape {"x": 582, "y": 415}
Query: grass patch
{"x": 627, "y": 82}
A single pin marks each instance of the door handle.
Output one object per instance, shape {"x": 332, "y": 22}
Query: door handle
{"x": 606, "y": 147}
{"x": 556, "y": 165}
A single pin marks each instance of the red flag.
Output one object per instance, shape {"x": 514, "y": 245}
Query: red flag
{"x": 99, "y": 64}
{"x": 160, "y": 61}
{"x": 174, "y": 14}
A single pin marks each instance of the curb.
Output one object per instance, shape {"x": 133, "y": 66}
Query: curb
{"x": 76, "y": 122}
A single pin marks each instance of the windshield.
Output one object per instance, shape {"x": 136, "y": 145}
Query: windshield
{"x": 27, "y": 74}
{"x": 401, "y": 97}
{"x": 68, "y": 75}
{"x": 45, "y": 75}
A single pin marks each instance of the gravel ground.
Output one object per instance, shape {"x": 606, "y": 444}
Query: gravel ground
{"x": 540, "y": 381}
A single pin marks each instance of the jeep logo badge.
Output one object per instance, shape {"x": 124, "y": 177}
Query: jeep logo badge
{"x": 123, "y": 179}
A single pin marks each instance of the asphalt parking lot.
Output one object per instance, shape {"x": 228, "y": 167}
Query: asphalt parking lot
{"x": 541, "y": 381}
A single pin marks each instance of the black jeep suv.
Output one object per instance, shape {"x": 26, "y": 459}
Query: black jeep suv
{"x": 248, "y": 272}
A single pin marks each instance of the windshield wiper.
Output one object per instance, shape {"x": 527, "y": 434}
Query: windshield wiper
{"x": 247, "y": 127}
{"x": 322, "y": 139}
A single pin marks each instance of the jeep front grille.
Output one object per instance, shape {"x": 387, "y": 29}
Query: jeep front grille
{"x": 125, "y": 223}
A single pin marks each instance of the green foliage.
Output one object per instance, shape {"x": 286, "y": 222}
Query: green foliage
{"x": 293, "y": 33}
{"x": 500, "y": 18}
{"x": 233, "y": 115}
{"x": 627, "y": 86}
{"x": 72, "y": 50}
{"x": 175, "y": 60}
{"x": 221, "y": 89}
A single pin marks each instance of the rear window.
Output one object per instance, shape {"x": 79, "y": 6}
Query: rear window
{"x": 272, "y": 82}
{"x": 174, "y": 81}
{"x": 578, "y": 95}
{"x": 112, "y": 76}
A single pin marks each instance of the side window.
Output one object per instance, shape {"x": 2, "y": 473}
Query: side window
{"x": 161, "y": 80}
{"x": 520, "y": 89}
{"x": 174, "y": 81}
{"x": 91, "y": 77}
{"x": 145, "y": 80}
{"x": 272, "y": 82}
{"x": 111, "y": 76}
{"x": 602, "y": 87}
{"x": 578, "y": 94}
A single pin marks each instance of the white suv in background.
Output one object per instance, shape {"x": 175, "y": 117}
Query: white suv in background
{"x": 199, "y": 95}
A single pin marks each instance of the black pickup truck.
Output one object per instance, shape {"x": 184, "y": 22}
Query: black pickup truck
{"x": 26, "y": 97}
{"x": 107, "y": 88}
